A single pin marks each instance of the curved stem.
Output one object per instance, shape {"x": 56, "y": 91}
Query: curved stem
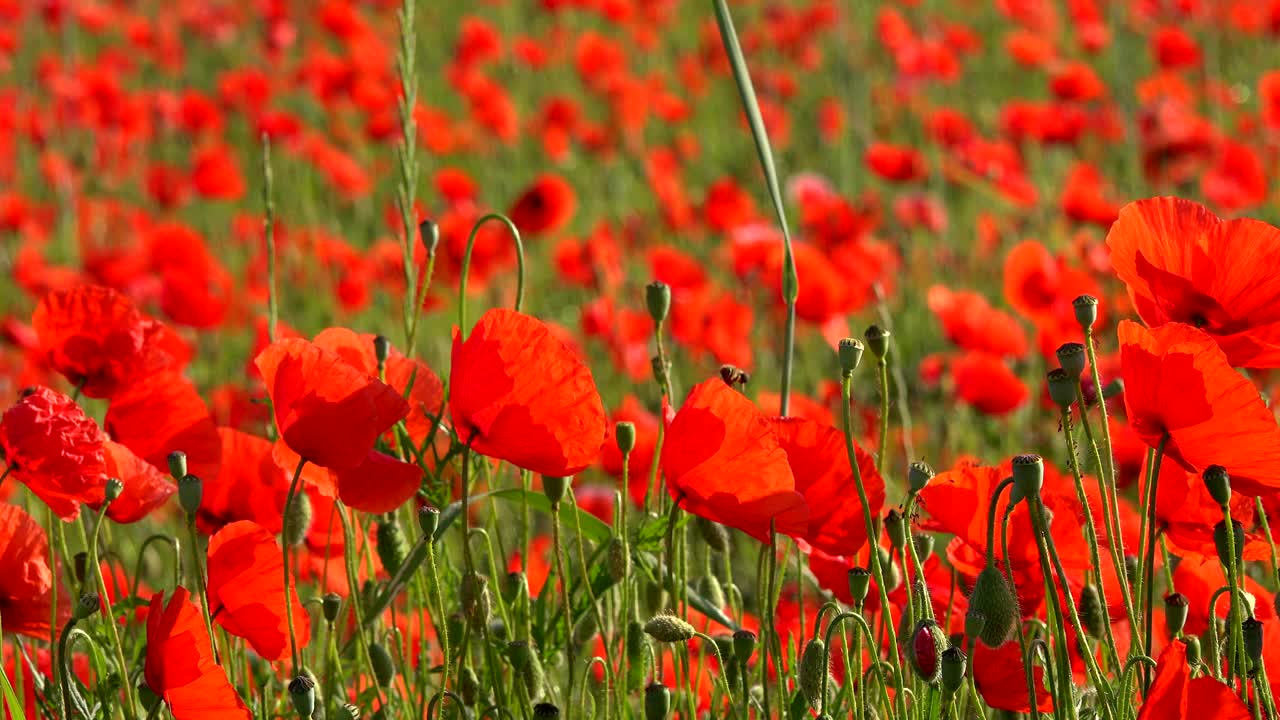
{"x": 466, "y": 267}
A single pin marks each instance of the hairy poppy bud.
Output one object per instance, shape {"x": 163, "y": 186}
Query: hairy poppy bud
{"x": 1220, "y": 541}
{"x": 1071, "y": 357}
{"x": 1252, "y": 631}
{"x": 1028, "y": 474}
{"x": 618, "y": 559}
{"x": 527, "y": 666}
{"x": 330, "y": 604}
{"x": 302, "y": 693}
{"x": 669, "y": 629}
{"x": 429, "y": 236}
{"x": 1193, "y": 649}
{"x": 87, "y": 606}
{"x": 1062, "y": 388}
{"x": 428, "y": 520}
{"x": 877, "y": 340}
{"x": 859, "y": 584}
{"x": 190, "y": 494}
{"x": 850, "y": 352}
{"x": 1131, "y": 568}
{"x": 1176, "y": 608}
{"x": 892, "y": 572}
{"x": 657, "y": 297}
{"x": 710, "y": 589}
{"x": 919, "y": 473}
{"x": 1092, "y": 613}
{"x": 115, "y": 486}
{"x": 813, "y": 671}
{"x": 924, "y": 546}
{"x": 555, "y": 487}
{"x": 713, "y": 534}
{"x": 657, "y": 701}
{"x": 381, "y": 349}
{"x": 995, "y": 601}
{"x": 896, "y": 528}
{"x": 954, "y": 665}
{"x": 1218, "y": 483}
{"x": 624, "y": 433}
{"x": 384, "y": 668}
{"x": 733, "y": 376}
{"x": 298, "y": 519}
{"x": 515, "y": 588}
{"x": 928, "y": 641}
{"x": 1086, "y": 309}
{"x": 177, "y": 464}
{"x": 744, "y": 646}
{"x": 393, "y": 547}
{"x": 546, "y": 711}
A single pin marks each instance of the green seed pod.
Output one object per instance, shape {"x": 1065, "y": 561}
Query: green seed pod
{"x": 850, "y": 353}
{"x": 635, "y": 642}
{"x": 1086, "y": 309}
{"x": 859, "y": 584}
{"x": 497, "y": 629}
{"x": 177, "y": 465}
{"x": 393, "y": 547}
{"x": 302, "y": 693}
{"x": 384, "y": 668}
{"x": 115, "y": 486}
{"x": 555, "y": 487}
{"x": 1071, "y": 357}
{"x": 669, "y": 629}
{"x": 813, "y": 671}
{"x": 1218, "y": 482}
{"x": 469, "y": 687}
{"x": 1220, "y": 541}
{"x": 657, "y": 702}
{"x": 1092, "y": 613}
{"x": 1253, "y": 635}
{"x": 712, "y": 533}
{"x": 919, "y": 474}
{"x": 974, "y": 623}
{"x": 1193, "y": 649}
{"x": 744, "y": 646}
{"x": 1131, "y": 568}
{"x": 928, "y": 642}
{"x": 87, "y": 606}
{"x": 895, "y": 526}
{"x": 892, "y": 571}
{"x": 624, "y": 433}
{"x": 515, "y": 589}
{"x": 584, "y": 629}
{"x": 546, "y": 711}
{"x": 1028, "y": 474}
{"x": 299, "y": 515}
{"x": 617, "y": 559}
{"x": 190, "y": 494}
{"x": 1176, "y": 609}
{"x": 524, "y": 660}
{"x": 428, "y": 520}
{"x": 710, "y": 589}
{"x": 381, "y": 349}
{"x": 996, "y": 601}
{"x": 1062, "y": 388}
{"x": 657, "y": 298}
{"x": 330, "y": 605}
{"x": 954, "y": 665}
{"x": 924, "y": 546}
{"x": 877, "y": 341}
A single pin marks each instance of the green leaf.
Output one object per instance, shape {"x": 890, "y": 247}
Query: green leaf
{"x": 16, "y": 710}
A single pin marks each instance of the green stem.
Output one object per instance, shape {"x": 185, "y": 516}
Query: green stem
{"x": 466, "y": 267}
{"x": 1149, "y": 549}
{"x": 882, "y": 368}
{"x": 568, "y": 609}
{"x": 286, "y": 533}
{"x": 269, "y": 235}
{"x": 130, "y": 707}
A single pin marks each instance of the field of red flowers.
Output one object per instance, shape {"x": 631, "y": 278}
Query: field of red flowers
{"x": 596, "y": 359}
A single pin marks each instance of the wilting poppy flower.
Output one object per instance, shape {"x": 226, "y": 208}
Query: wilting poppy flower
{"x": 54, "y": 449}
{"x": 145, "y": 487}
{"x": 1182, "y": 263}
{"x": 162, "y": 414}
{"x": 246, "y": 590}
{"x": 1001, "y": 678}
{"x": 722, "y": 460}
{"x": 983, "y": 381}
{"x": 1174, "y": 695}
{"x": 820, "y": 465}
{"x": 25, "y": 576}
{"x": 546, "y": 206}
{"x": 97, "y": 339}
{"x": 517, "y": 393}
{"x": 180, "y": 667}
{"x": 249, "y": 485}
{"x": 1179, "y": 383}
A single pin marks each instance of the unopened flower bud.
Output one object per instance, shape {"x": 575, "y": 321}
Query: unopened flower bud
{"x": 428, "y": 520}
{"x": 813, "y": 672}
{"x": 87, "y": 606}
{"x": 1221, "y": 541}
{"x": 113, "y": 490}
{"x": 298, "y": 516}
{"x": 177, "y": 465}
{"x": 477, "y": 605}
{"x": 928, "y": 641}
{"x": 469, "y": 686}
{"x": 657, "y": 297}
{"x": 859, "y": 584}
{"x": 381, "y": 349}
{"x": 528, "y": 667}
{"x": 877, "y": 341}
{"x": 744, "y": 646}
{"x": 393, "y": 546}
{"x": 190, "y": 493}
{"x": 555, "y": 487}
{"x": 919, "y": 473}
{"x": 1093, "y": 615}
{"x": 384, "y": 668}
{"x": 850, "y": 352}
{"x": 895, "y": 526}
{"x": 515, "y": 588}
{"x": 892, "y": 571}
{"x": 617, "y": 559}
{"x": 429, "y": 236}
{"x": 302, "y": 693}
{"x": 1218, "y": 483}
{"x": 713, "y": 534}
{"x": 954, "y": 665}
{"x": 994, "y": 599}
{"x": 1193, "y": 649}
{"x": 1028, "y": 474}
{"x": 1253, "y": 636}
{"x": 624, "y": 433}
{"x": 1062, "y": 388}
{"x": 1071, "y": 357}
{"x": 657, "y": 701}
{"x": 924, "y": 546}
{"x": 330, "y": 605}
{"x": 711, "y": 590}
{"x": 584, "y": 629}
{"x": 1114, "y": 388}
{"x": 1176, "y": 608}
{"x": 635, "y": 643}
{"x": 1086, "y": 309}
{"x": 669, "y": 629}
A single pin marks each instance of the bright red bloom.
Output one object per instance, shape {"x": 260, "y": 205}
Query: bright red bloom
{"x": 1174, "y": 695}
{"x": 970, "y": 322}
{"x": 180, "y": 666}
{"x": 896, "y": 163}
{"x": 145, "y": 487}
{"x": 246, "y": 590}
{"x": 518, "y": 393}
{"x": 25, "y": 576}
{"x": 1178, "y": 382}
{"x": 249, "y": 486}
{"x": 983, "y": 381}
{"x": 164, "y": 413}
{"x": 722, "y": 460}
{"x": 546, "y": 206}
{"x": 641, "y": 458}
{"x": 1200, "y": 577}
{"x": 1183, "y": 264}
{"x": 1237, "y": 179}
{"x": 1001, "y": 678}
{"x": 56, "y": 450}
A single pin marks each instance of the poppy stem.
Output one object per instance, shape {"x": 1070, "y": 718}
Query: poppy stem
{"x": 269, "y": 236}
{"x": 1022, "y": 638}
{"x": 558, "y": 542}
{"x": 1266, "y": 532}
{"x": 130, "y": 709}
{"x": 285, "y": 534}
{"x": 882, "y": 373}
{"x": 1236, "y": 664}
{"x": 767, "y": 616}
{"x": 202, "y": 587}
{"x": 466, "y": 267}
{"x": 1149, "y": 550}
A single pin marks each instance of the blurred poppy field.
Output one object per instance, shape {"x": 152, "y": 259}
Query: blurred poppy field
{"x": 639, "y": 358}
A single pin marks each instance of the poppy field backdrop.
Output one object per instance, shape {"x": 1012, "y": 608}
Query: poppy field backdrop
{"x": 639, "y": 358}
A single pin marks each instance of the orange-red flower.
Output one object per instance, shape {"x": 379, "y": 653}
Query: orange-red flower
{"x": 164, "y": 413}
{"x": 246, "y": 590}
{"x": 983, "y": 381}
{"x": 546, "y": 206}
{"x": 1174, "y": 695}
{"x": 1001, "y": 678}
{"x": 26, "y": 580}
{"x": 54, "y": 449}
{"x": 145, "y": 487}
{"x": 518, "y": 393}
{"x": 722, "y": 460}
{"x": 180, "y": 667}
{"x": 249, "y": 485}
{"x": 1183, "y": 264}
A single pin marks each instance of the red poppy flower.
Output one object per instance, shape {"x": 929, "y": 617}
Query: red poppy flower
{"x": 96, "y": 338}
{"x": 1186, "y": 514}
{"x": 180, "y": 666}
{"x": 1174, "y": 695}
{"x": 54, "y": 449}
{"x": 970, "y": 322}
{"x": 145, "y": 487}
{"x": 820, "y": 465}
{"x": 246, "y": 590}
{"x": 1184, "y": 264}
{"x": 641, "y": 458}
{"x": 164, "y": 413}
{"x": 249, "y": 485}
{"x": 26, "y": 579}
{"x": 215, "y": 175}
{"x": 546, "y": 206}
{"x": 1001, "y": 677}
{"x": 896, "y": 163}
{"x": 518, "y": 393}
{"x": 722, "y": 460}
{"x": 983, "y": 381}
{"x": 1178, "y": 382}
{"x": 328, "y": 411}
{"x": 1237, "y": 179}
{"x": 1200, "y": 577}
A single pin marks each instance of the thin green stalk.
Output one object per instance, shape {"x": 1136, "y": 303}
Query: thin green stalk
{"x": 466, "y": 266}
{"x": 1235, "y": 666}
{"x": 286, "y": 533}
{"x": 130, "y": 707}
{"x": 269, "y": 235}
{"x": 1149, "y": 549}
{"x": 882, "y": 373}
{"x": 1266, "y": 531}
{"x": 558, "y": 544}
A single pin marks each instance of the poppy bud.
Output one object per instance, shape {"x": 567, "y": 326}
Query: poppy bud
{"x": 954, "y": 665}
{"x": 190, "y": 493}
{"x": 468, "y": 686}
{"x": 1086, "y": 308}
{"x": 892, "y": 572}
{"x": 877, "y": 340}
{"x": 546, "y": 711}
{"x": 477, "y": 606}
{"x": 1092, "y": 614}
{"x": 1220, "y": 541}
{"x": 928, "y": 641}
{"x": 859, "y": 584}
{"x": 713, "y": 534}
{"x": 298, "y": 519}
{"x": 87, "y": 606}
{"x": 1131, "y": 568}
{"x": 1193, "y": 649}
{"x": 635, "y": 643}
{"x": 1072, "y": 358}
{"x": 710, "y": 589}
{"x": 428, "y": 520}
{"x": 555, "y": 487}
{"x": 850, "y": 352}
{"x": 384, "y": 668}
{"x": 114, "y": 487}
{"x": 429, "y": 236}
{"x": 527, "y": 666}
{"x": 177, "y": 464}
{"x": 618, "y": 559}
{"x": 654, "y": 596}
{"x": 584, "y": 629}
{"x": 995, "y": 601}
{"x": 896, "y": 528}
{"x": 1113, "y": 388}
{"x": 1218, "y": 483}
{"x": 393, "y": 547}
{"x": 515, "y": 588}
{"x": 330, "y": 604}
{"x": 669, "y": 629}
{"x": 657, "y": 701}
{"x": 80, "y": 566}
{"x": 744, "y": 646}
{"x": 919, "y": 473}
{"x": 923, "y": 545}
{"x": 657, "y": 297}
{"x": 302, "y": 693}
{"x": 1062, "y": 388}
{"x": 1252, "y": 631}
{"x": 381, "y": 349}
{"x": 813, "y": 671}
{"x": 1176, "y": 606}
{"x": 1028, "y": 474}
{"x": 624, "y": 433}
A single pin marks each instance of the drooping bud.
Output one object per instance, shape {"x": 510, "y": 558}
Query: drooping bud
{"x": 618, "y": 559}
{"x": 744, "y": 646}
{"x": 384, "y": 668}
{"x": 1086, "y": 309}
{"x": 624, "y": 433}
{"x": 190, "y": 493}
{"x": 515, "y": 588}
{"x": 302, "y": 693}
{"x": 713, "y": 534}
{"x": 87, "y": 606}
{"x": 928, "y": 641}
{"x": 892, "y": 571}
{"x": 428, "y": 520}
{"x": 859, "y": 584}
{"x": 469, "y": 686}
{"x": 996, "y": 602}
{"x": 1092, "y": 613}
{"x": 115, "y": 486}
{"x": 657, "y": 701}
{"x": 919, "y": 473}
{"x": 1221, "y": 542}
{"x": 877, "y": 340}
{"x": 1114, "y": 388}
{"x": 177, "y": 465}
{"x": 299, "y": 515}
{"x": 657, "y": 297}
{"x": 1253, "y": 637}
{"x": 1071, "y": 357}
{"x": 1028, "y": 474}
{"x": 924, "y": 546}
{"x": 954, "y": 665}
{"x": 555, "y": 487}
{"x": 813, "y": 672}
{"x": 1176, "y": 609}
{"x": 393, "y": 546}
{"x": 850, "y": 352}
{"x": 669, "y": 629}
{"x": 1218, "y": 483}
{"x": 80, "y": 565}
{"x": 1062, "y": 388}
{"x": 584, "y": 629}
{"x": 546, "y": 711}
{"x": 635, "y": 644}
